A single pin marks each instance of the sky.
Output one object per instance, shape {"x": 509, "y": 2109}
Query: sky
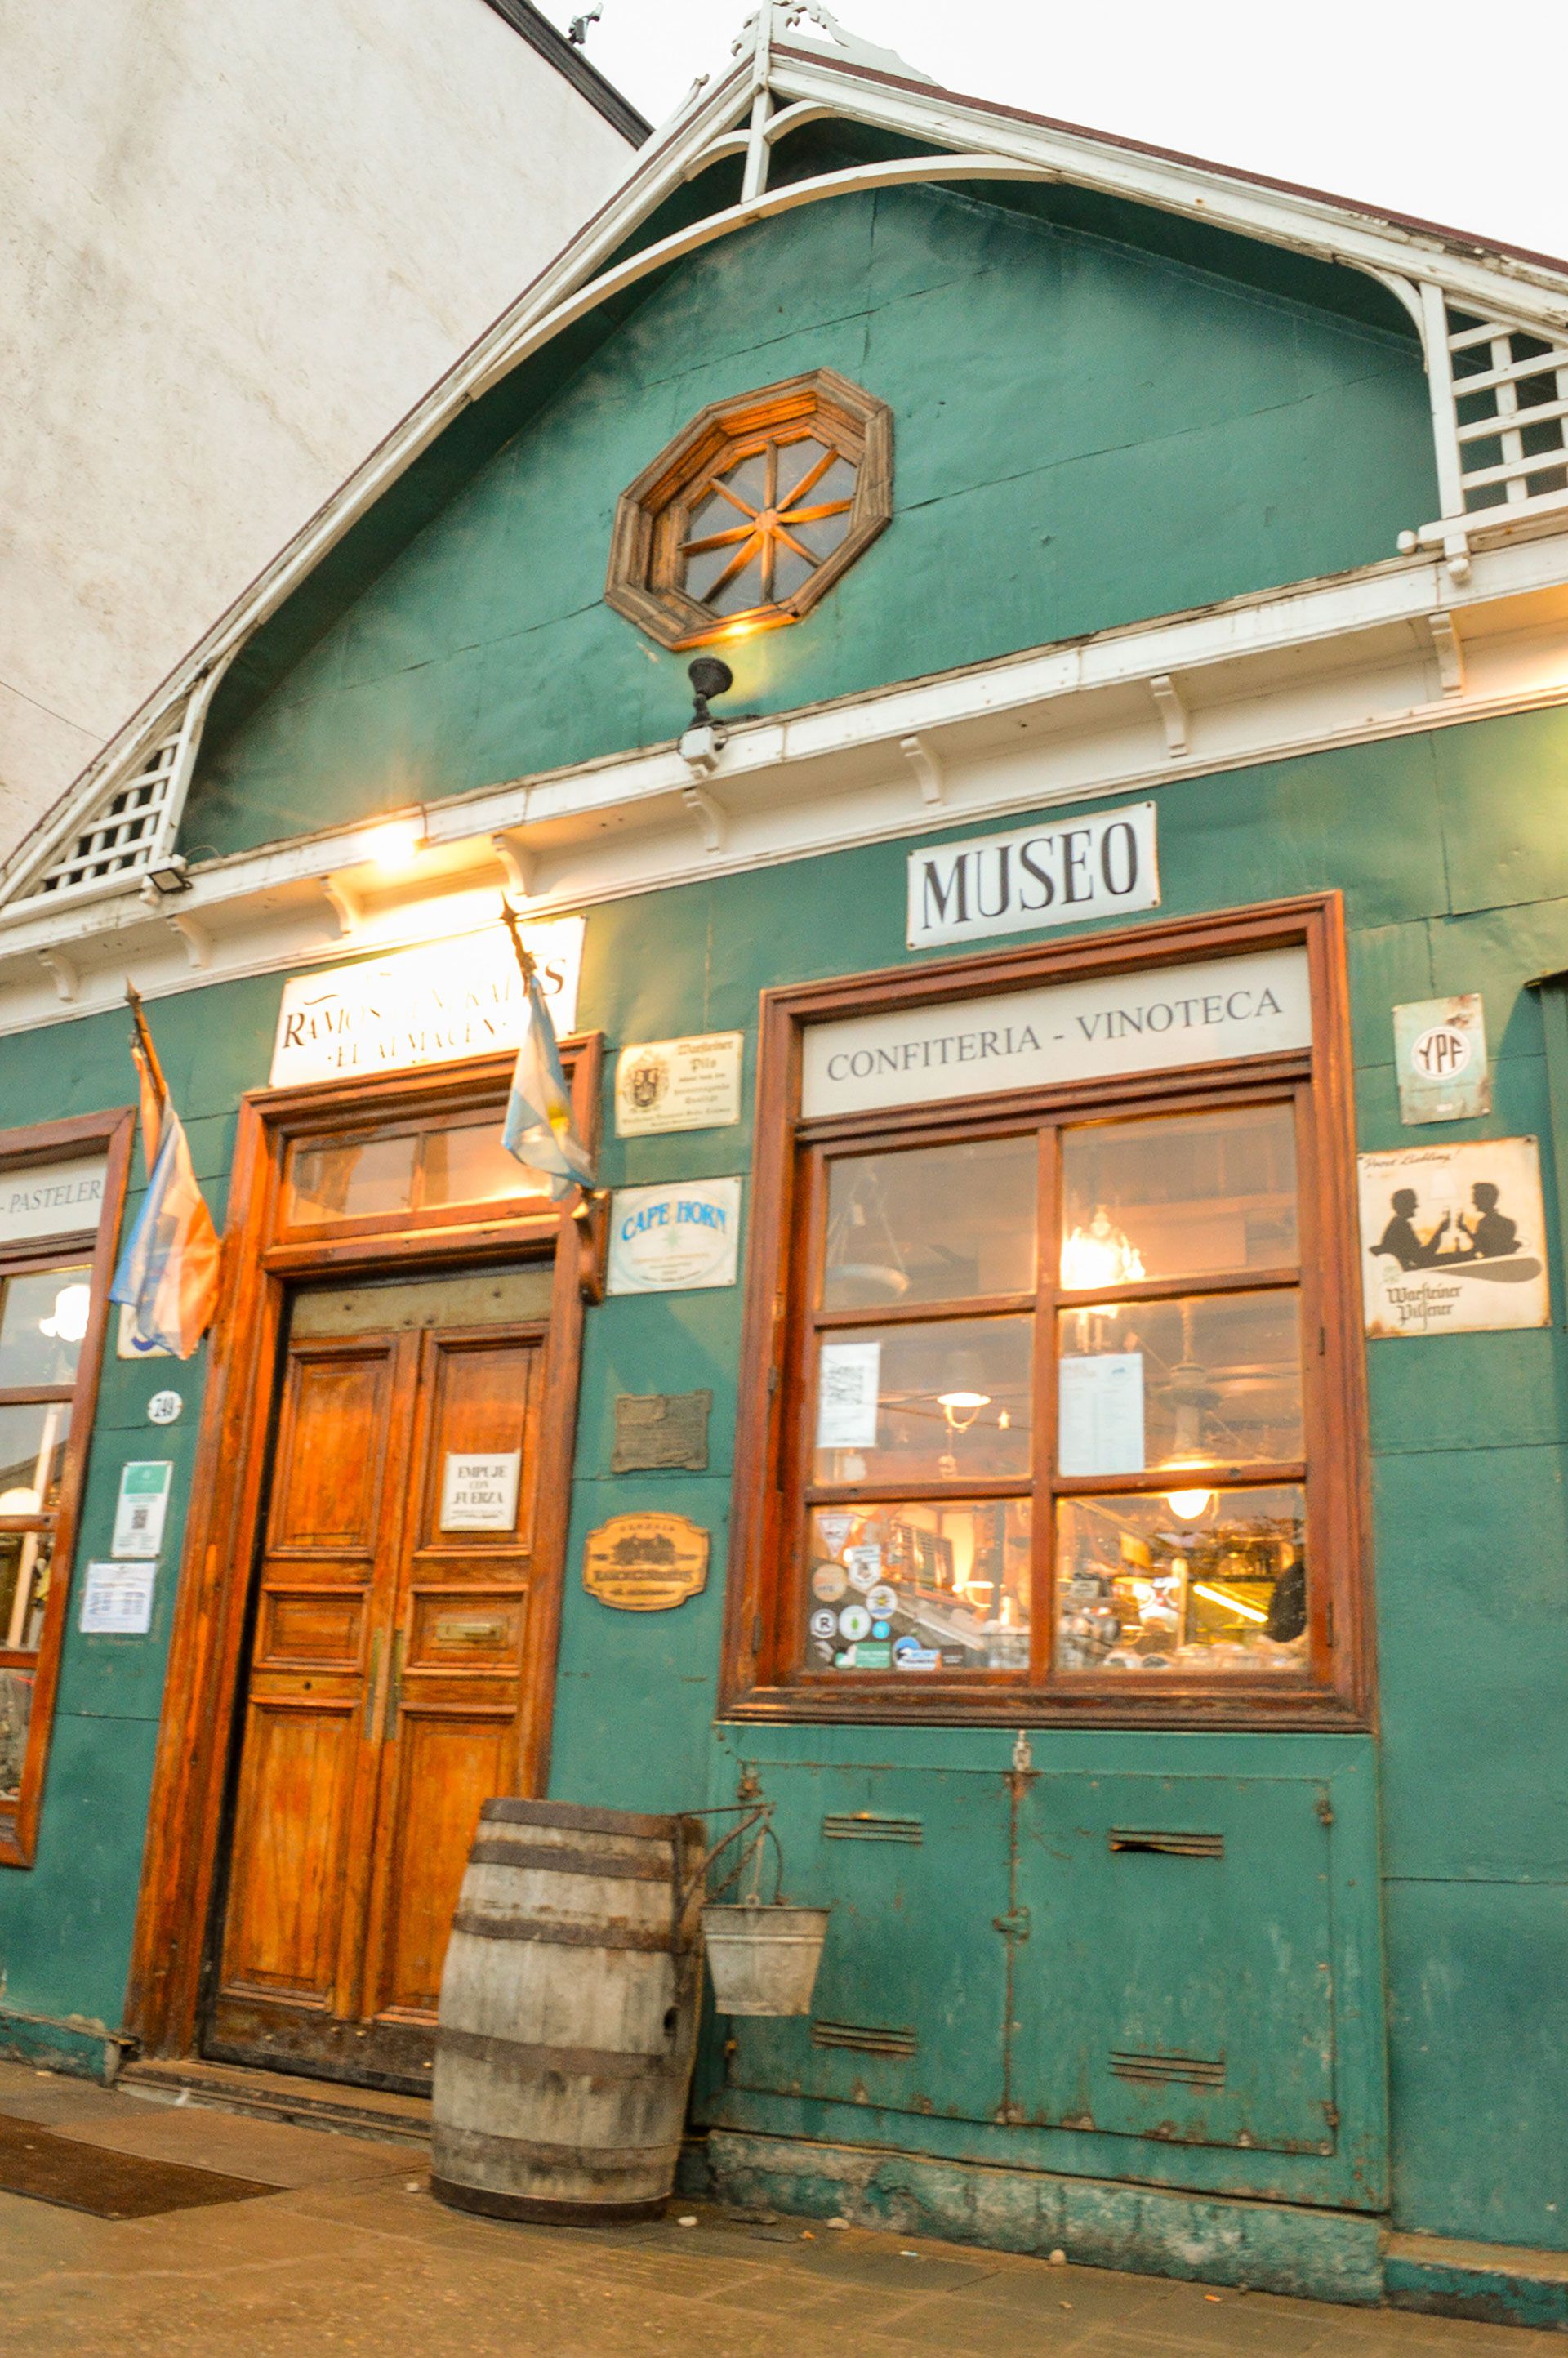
{"x": 1393, "y": 102}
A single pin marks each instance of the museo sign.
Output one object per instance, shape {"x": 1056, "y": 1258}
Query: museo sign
{"x": 1035, "y": 877}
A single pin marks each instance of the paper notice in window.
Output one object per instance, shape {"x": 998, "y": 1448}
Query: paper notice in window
{"x": 480, "y": 1494}
{"x": 848, "y": 1380}
{"x": 1099, "y": 1414}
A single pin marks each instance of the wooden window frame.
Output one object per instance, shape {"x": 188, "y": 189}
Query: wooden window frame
{"x": 261, "y": 1259}
{"x": 110, "y": 1134}
{"x": 760, "y": 1678}
{"x": 644, "y": 580}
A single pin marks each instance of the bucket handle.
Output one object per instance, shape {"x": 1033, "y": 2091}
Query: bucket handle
{"x": 750, "y": 1814}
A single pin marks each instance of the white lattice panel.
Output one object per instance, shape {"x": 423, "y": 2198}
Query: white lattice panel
{"x": 1509, "y": 389}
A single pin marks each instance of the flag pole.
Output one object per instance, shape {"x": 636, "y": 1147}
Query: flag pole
{"x": 526, "y": 965}
{"x": 133, "y": 1001}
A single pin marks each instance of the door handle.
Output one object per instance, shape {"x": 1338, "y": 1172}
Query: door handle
{"x": 369, "y": 1726}
{"x": 394, "y": 1689}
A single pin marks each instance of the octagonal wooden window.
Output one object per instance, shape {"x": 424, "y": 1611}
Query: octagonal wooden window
{"x": 752, "y": 513}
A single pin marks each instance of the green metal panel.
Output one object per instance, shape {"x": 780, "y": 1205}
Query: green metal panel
{"x": 1176, "y": 1979}
{"x": 911, "y": 2000}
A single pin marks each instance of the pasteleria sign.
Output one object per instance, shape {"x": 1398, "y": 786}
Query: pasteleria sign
{"x": 1253, "y": 1005}
{"x": 50, "y": 1199}
{"x": 1034, "y": 877}
{"x": 426, "y": 1006}
{"x": 674, "y": 1240}
{"x": 693, "y": 1084}
{"x": 645, "y": 1564}
{"x": 1454, "y": 1238}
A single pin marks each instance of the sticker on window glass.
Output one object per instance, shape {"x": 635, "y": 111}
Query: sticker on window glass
{"x": 480, "y": 1494}
{"x": 1099, "y": 1414}
{"x": 848, "y": 1381}
{"x": 864, "y": 1565}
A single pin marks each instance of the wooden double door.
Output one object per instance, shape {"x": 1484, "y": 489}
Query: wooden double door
{"x": 388, "y": 1666}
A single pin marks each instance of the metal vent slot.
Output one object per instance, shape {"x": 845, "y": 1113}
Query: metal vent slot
{"x": 868, "y": 2038}
{"x": 867, "y": 1825}
{"x": 1168, "y": 1844}
{"x": 1195, "y": 2070}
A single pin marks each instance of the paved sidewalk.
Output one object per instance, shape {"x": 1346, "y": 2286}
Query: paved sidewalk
{"x": 352, "y": 2255}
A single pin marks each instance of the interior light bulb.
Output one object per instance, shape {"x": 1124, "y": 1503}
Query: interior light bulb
{"x": 18, "y": 1502}
{"x": 67, "y": 1323}
{"x": 1188, "y": 1505}
{"x": 964, "y": 1399}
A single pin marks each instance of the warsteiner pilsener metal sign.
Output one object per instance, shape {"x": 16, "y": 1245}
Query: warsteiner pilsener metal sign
{"x": 645, "y": 1564}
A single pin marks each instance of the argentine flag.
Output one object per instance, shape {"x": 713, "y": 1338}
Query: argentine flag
{"x": 539, "y": 1129}
{"x": 168, "y": 1270}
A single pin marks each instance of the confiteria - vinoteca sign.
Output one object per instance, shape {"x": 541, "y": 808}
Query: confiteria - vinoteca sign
{"x": 1254, "y": 1005}
{"x": 1035, "y": 877}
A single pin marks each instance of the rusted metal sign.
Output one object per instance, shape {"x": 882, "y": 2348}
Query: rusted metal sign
{"x": 657, "y": 1430}
{"x": 645, "y": 1564}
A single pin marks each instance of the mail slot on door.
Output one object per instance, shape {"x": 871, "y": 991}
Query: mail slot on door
{"x": 450, "y": 1631}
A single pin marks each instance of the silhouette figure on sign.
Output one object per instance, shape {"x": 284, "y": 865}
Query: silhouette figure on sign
{"x": 1400, "y": 1237}
{"x": 1491, "y": 1234}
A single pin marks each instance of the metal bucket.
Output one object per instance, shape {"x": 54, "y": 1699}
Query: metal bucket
{"x": 764, "y": 1960}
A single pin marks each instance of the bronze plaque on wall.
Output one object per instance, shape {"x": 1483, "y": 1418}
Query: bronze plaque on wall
{"x": 659, "y": 1432}
{"x": 645, "y": 1564}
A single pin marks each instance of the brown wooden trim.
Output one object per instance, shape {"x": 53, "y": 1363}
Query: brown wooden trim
{"x": 202, "y": 1683}
{"x": 113, "y": 1130}
{"x": 763, "y": 1604}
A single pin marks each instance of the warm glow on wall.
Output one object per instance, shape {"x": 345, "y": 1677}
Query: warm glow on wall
{"x": 396, "y": 844}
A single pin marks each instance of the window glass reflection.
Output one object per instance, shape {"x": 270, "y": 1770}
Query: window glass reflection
{"x": 1192, "y": 1580}
{"x": 919, "y": 1588}
{"x": 32, "y": 1455}
{"x": 350, "y": 1179}
{"x": 946, "y": 1401}
{"x": 1209, "y": 1380}
{"x": 43, "y": 1318}
{"x": 24, "y": 1589}
{"x": 15, "y": 1710}
{"x": 936, "y": 1223}
{"x": 1189, "y": 1195}
{"x": 472, "y": 1166}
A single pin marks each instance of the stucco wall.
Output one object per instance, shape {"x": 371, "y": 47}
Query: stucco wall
{"x": 237, "y": 244}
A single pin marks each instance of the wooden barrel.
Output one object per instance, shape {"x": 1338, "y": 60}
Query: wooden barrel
{"x": 569, "y": 2015}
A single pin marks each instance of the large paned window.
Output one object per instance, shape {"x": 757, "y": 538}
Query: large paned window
{"x": 60, "y": 1189}
{"x": 1062, "y": 1401}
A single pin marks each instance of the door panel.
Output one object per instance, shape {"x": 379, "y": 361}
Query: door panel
{"x": 291, "y": 1837}
{"x": 445, "y": 1768}
{"x": 391, "y": 1639}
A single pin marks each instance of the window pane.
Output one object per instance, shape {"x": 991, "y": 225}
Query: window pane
{"x": 945, "y": 1403}
{"x": 745, "y": 589}
{"x": 1193, "y": 1194}
{"x": 822, "y": 534}
{"x": 16, "y": 1710}
{"x": 1195, "y": 1580}
{"x": 1214, "y": 1382}
{"x": 714, "y": 513}
{"x": 350, "y": 1179}
{"x": 836, "y": 483}
{"x": 939, "y": 1224}
{"x": 24, "y": 1588}
{"x": 796, "y": 461}
{"x": 749, "y": 481}
{"x": 32, "y": 1451}
{"x": 472, "y": 1166}
{"x": 919, "y": 1588}
{"x": 704, "y": 569}
{"x": 790, "y": 569}
{"x": 42, "y": 1321}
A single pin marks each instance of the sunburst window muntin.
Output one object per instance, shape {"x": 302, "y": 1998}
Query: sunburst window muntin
{"x": 752, "y": 513}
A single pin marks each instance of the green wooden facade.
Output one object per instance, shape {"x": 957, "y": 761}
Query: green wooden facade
{"x": 1093, "y": 427}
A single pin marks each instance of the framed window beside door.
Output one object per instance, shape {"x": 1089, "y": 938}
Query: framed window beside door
{"x": 1054, "y": 1392}
{"x": 61, "y": 1188}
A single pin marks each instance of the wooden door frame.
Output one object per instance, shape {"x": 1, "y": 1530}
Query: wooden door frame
{"x": 202, "y": 1687}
